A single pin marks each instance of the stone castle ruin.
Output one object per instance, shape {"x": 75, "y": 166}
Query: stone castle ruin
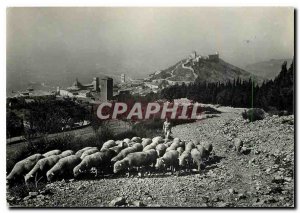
{"x": 195, "y": 58}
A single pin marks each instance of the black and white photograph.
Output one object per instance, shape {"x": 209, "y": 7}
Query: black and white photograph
{"x": 150, "y": 107}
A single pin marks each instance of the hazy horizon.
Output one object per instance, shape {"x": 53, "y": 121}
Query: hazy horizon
{"x": 60, "y": 44}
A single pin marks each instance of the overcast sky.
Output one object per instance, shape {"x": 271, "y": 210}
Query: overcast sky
{"x": 47, "y": 43}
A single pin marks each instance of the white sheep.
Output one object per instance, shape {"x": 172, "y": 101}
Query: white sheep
{"x": 52, "y": 152}
{"x": 99, "y": 160}
{"x": 158, "y": 139}
{"x": 185, "y": 160}
{"x": 197, "y": 155}
{"x": 66, "y": 153}
{"x": 189, "y": 146}
{"x": 108, "y": 144}
{"x": 173, "y": 146}
{"x": 23, "y": 167}
{"x": 88, "y": 152}
{"x": 64, "y": 167}
{"x": 123, "y": 154}
{"x": 169, "y": 159}
{"x": 136, "y": 139}
{"x": 161, "y": 149}
{"x": 79, "y": 152}
{"x": 146, "y": 142}
{"x": 133, "y": 160}
{"x": 41, "y": 167}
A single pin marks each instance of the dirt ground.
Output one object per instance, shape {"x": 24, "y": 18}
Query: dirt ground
{"x": 261, "y": 177}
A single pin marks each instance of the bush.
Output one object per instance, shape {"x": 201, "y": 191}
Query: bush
{"x": 254, "y": 114}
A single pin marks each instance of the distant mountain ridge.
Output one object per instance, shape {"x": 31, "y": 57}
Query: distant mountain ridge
{"x": 209, "y": 69}
{"x": 267, "y": 69}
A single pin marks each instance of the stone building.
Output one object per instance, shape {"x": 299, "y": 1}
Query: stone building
{"x": 106, "y": 89}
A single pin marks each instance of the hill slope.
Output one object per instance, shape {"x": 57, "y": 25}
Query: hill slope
{"x": 204, "y": 69}
{"x": 267, "y": 69}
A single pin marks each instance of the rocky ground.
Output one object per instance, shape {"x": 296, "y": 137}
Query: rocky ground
{"x": 261, "y": 177}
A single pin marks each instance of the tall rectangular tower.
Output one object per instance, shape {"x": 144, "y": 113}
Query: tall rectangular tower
{"x": 95, "y": 84}
{"x": 123, "y": 78}
{"x": 106, "y": 89}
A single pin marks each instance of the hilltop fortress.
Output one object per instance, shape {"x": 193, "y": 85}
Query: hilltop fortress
{"x": 195, "y": 58}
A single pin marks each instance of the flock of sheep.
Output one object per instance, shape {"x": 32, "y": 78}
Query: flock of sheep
{"x": 115, "y": 156}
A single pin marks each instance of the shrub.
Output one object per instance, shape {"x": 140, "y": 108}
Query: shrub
{"x": 254, "y": 114}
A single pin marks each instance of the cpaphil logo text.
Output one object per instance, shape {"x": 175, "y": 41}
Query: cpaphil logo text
{"x": 144, "y": 111}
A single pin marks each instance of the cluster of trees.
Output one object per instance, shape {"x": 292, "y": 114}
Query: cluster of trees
{"x": 43, "y": 116}
{"x": 274, "y": 94}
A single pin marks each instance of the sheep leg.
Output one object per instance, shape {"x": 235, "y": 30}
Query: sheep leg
{"x": 128, "y": 172}
{"x": 96, "y": 173}
{"x": 199, "y": 168}
{"x": 35, "y": 179}
{"x": 190, "y": 166}
{"x": 26, "y": 184}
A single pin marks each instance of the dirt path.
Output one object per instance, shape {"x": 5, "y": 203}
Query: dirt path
{"x": 261, "y": 178}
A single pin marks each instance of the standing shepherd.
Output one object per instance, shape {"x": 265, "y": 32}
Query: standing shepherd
{"x": 167, "y": 128}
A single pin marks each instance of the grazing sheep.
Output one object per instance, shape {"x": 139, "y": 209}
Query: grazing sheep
{"x": 185, "y": 160}
{"x": 108, "y": 144}
{"x": 197, "y": 155}
{"x": 132, "y": 160}
{"x": 158, "y": 139}
{"x": 177, "y": 140}
{"x": 52, "y": 152}
{"x": 99, "y": 160}
{"x": 196, "y": 142}
{"x": 161, "y": 149}
{"x": 168, "y": 144}
{"x": 123, "y": 154}
{"x": 79, "y": 152}
{"x": 122, "y": 144}
{"x": 116, "y": 149}
{"x": 202, "y": 150}
{"x": 23, "y": 167}
{"x": 88, "y": 162}
{"x": 182, "y": 144}
{"x": 41, "y": 167}
{"x": 63, "y": 167}
{"x": 180, "y": 150}
{"x": 127, "y": 140}
{"x": 89, "y": 152}
{"x": 118, "y": 142}
{"x": 173, "y": 146}
{"x": 66, "y": 153}
{"x": 146, "y": 142}
{"x": 189, "y": 146}
{"x": 152, "y": 156}
{"x": 136, "y": 139}
{"x": 138, "y": 147}
{"x": 121, "y": 165}
{"x": 208, "y": 149}
{"x": 131, "y": 143}
{"x": 238, "y": 144}
{"x": 169, "y": 159}
{"x": 151, "y": 146}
